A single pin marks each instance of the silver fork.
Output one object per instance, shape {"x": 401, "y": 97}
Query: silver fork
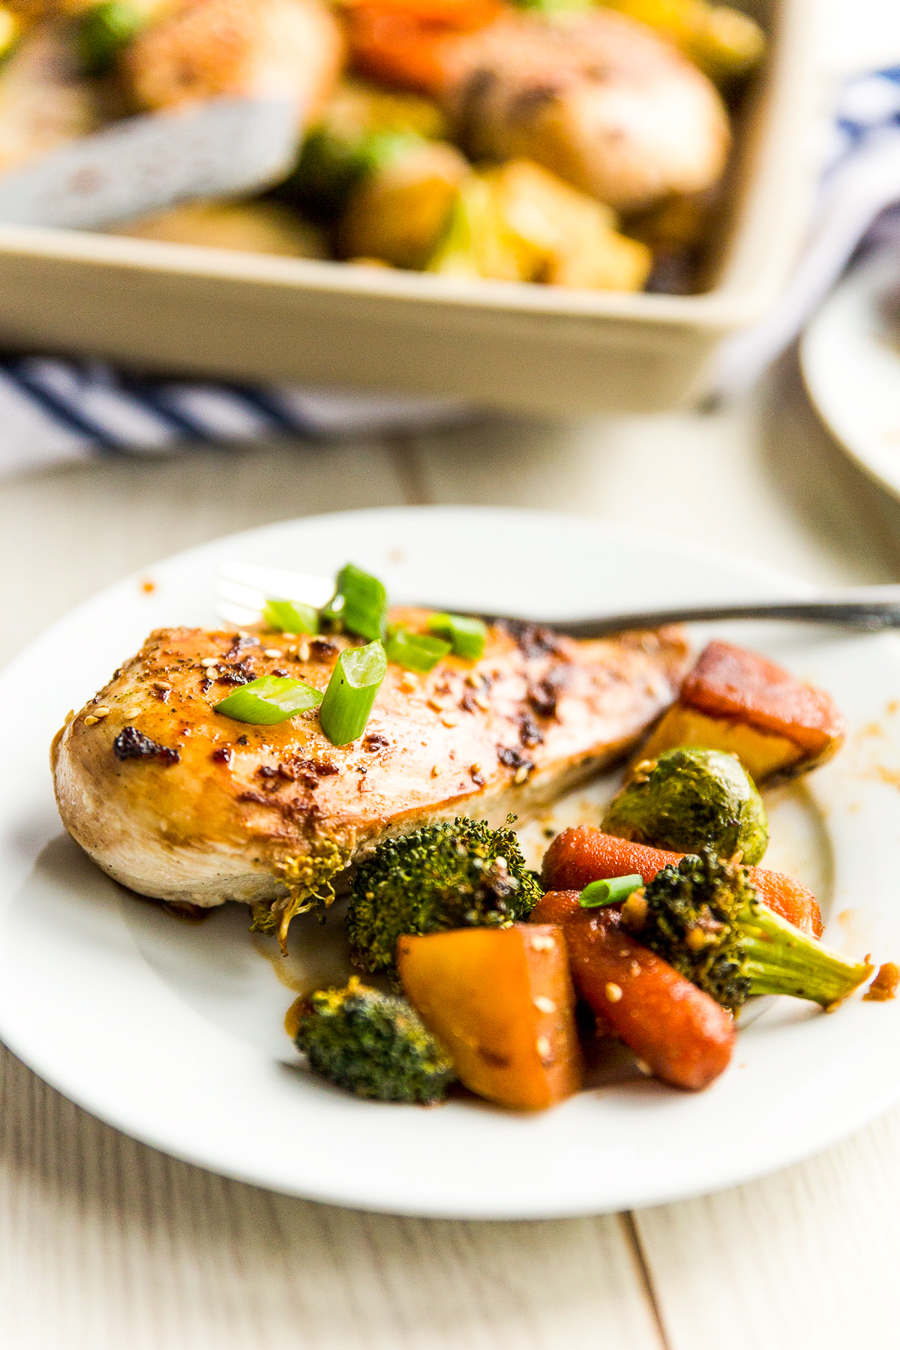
{"x": 243, "y": 588}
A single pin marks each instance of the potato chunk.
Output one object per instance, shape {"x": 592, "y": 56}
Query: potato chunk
{"x": 738, "y": 701}
{"x": 500, "y": 1001}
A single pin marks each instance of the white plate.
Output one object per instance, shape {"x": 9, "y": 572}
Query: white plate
{"x": 850, "y": 356}
{"x": 172, "y": 1032}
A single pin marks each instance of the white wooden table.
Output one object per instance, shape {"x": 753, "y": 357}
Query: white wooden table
{"x": 108, "y": 1245}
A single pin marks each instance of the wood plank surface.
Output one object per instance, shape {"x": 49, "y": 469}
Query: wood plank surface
{"x": 806, "y": 1259}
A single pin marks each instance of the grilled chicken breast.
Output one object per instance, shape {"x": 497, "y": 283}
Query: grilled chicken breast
{"x": 187, "y": 805}
{"x": 207, "y": 48}
{"x": 601, "y": 101}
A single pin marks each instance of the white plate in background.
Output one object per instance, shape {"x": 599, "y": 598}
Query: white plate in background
{"x": 850, "y": 357}
{"x": 173, "y": 1033}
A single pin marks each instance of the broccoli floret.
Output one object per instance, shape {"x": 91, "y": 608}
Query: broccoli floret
{"x": 373, "y": 1045}
{"x": 459, "y": 874}
{"x": 704, "y": 917}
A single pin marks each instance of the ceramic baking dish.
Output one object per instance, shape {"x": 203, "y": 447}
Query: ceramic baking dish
{"x": 507, "y": 345}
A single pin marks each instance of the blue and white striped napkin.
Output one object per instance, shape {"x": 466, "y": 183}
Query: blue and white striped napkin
{"x": 54, "y": 410}
{"x": 858, "y": 208}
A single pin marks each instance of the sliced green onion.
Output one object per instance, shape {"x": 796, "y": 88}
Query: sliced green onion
{"x": 415, "y": 651}
{"x": 351, "y": 691}
{"x": 467, "y": 635}
{"x": 359, "y": 603}
{"x": 290, "y": 616}
{"x": 272, "y": 699}
{"x": 609, "y": 892}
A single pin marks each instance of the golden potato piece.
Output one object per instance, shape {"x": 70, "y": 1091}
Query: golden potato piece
{"x": 520, "y": 222}
{"x": 501, "y": 1002}
{"x": 738, "y": 701}
{"x": 399, "y": 212}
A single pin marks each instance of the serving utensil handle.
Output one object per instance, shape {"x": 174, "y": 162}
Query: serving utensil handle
{"x": 868, "y": 608}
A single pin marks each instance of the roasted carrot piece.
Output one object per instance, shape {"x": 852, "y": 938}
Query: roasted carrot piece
{"x": 684, "y": 1036}
{"x": 584, "y": 854}
{"x": 404, "y": 42}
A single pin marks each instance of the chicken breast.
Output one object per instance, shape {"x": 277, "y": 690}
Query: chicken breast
{"x": 600, "y": 100}
{"x": 184, "y": 804}
{"x": 207, "y": 48}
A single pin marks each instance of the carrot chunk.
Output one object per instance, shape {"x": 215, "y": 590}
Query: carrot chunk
{"x": 681, "y": 1033}
{"x": 584, "y": 854}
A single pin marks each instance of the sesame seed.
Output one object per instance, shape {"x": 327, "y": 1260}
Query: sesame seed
{"x": 91, "y": 721}
{"x": 450, "y": 719}
{"x": 473, "y": 680}
{"x": 521, "y": 774}
{"x": 209, "y": 661}
{"x": 540, "y": 943}
{"x": 437, "y": 770}
{"x": 437, "y": 704}
{"x": 613, "y": 992}
{"x": 542, "y": 1045}
{"x": 634, "y": 910}
{"x": 544, "y": 1004}
{"x": 102, "y": 712}
{"x": 271, "y": 651}
{"x": 476, "y": 768}
{"x": 481, "y": 702}
{"x": 643, "y": 1067}
{"x": 303, "y": 651}
{"x": 161, "y": 684}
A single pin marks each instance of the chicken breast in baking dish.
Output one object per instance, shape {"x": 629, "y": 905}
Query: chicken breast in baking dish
{"x": 185, "y": 804}
{"x": 601, "y": 101}
{"x": 200, "y": 49}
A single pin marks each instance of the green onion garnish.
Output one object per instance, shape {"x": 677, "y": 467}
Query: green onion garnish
{"x": 415, "y": 651}
{"x": 467, "y": 635}
{"x": 610, "y": 892}
{"x": 290, "y": 616}
{"x": 359, "y": 603}
{"x": 272, "y": 699}
{"x": 351, "y": 691}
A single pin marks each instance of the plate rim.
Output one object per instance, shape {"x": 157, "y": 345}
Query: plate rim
{"x": 861, "y": 281}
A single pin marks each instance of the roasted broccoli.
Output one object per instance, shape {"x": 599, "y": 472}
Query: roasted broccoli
{"x": 459, "y": 874}
{"x": 373, "y": 1045}
{"x": 705, "y": 918}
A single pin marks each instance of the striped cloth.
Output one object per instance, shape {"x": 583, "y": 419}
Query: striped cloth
{"x": 858, "y": 208}
{"x": 54, "y": 410}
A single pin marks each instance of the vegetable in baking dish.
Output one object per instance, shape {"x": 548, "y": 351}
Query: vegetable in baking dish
{"x": 550, "y": 143}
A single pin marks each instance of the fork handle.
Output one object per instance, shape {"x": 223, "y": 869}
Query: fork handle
{"x": 868, "y": 609}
